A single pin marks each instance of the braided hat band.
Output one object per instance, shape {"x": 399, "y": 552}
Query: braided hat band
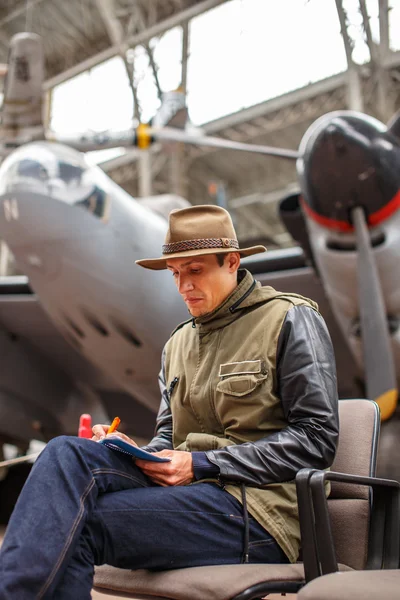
{"x": 199, "y": 245}
{"x": 195, "y": 231}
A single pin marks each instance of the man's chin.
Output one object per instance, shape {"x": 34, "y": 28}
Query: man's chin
{"x": 196, "y": 311}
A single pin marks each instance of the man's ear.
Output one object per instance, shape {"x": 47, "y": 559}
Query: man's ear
{"x": 233, "y": 261}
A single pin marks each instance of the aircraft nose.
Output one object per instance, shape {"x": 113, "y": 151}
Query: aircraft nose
{"x": 349, "y": 161}
{"x": 39, "y": 183}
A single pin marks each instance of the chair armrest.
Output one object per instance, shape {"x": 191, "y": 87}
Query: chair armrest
{"x": 307, "y": 524}
{"x": 383, "y": 546}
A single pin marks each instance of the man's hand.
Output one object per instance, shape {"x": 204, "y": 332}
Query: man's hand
{"x": 101, "y": 431}
{"x": 177, "y": 472}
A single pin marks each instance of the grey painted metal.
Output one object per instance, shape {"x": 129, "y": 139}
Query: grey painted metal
{"x": 109, "y": 139}
{"x": 383, "y": 29}
{"x": 18, "y": 11}
{"x": 185, "y": 55}
{"x": 373, "y": 49}
{"x": 170, "y": 134}
{"x": 75, "y": 233}
{"x": 379, "y": 365}
{"x": 145, "y": 175}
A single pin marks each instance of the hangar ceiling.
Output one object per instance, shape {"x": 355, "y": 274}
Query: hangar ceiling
{"x": 80, "y": 34}
{"x": 76, "y": 31}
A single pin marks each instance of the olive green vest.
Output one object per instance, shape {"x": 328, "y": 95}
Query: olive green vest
{"x": 226, "y": 393}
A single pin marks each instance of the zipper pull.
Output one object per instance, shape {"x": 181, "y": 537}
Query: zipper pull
{"x": 193, "y": 324}
{"x": 172, "y": 385}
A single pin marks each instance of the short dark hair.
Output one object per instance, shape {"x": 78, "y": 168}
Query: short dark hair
{"x": 221, "y": 258}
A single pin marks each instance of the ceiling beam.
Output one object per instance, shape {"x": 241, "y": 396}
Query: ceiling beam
{"x": 14, "y": 14}
{"x": 139, "y": 38}
{"x": 185, "y": 56}
{"x": 354, "y": 91}
{"x": 115, "y": 32}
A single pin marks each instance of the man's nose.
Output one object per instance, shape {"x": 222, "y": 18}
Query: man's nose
{"x": 184, "y": 284}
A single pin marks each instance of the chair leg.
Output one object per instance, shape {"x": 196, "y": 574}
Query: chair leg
{"x": 260, "y": 590}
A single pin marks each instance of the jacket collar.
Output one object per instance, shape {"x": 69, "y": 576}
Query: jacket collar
{"x": 229, "y": 310}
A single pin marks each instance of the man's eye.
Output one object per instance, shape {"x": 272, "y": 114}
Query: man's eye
{"x": 174, "y": 274}
{"x": 194, "y": 271}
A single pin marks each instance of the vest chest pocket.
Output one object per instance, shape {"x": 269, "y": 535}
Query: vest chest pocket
{"x": 241, "y": 378}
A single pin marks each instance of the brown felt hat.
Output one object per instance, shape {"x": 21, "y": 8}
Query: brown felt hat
{"x": 198, "y": 230}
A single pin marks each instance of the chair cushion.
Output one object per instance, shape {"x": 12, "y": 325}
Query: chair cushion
{"x": 350, "y": 526}
{"x": 220, "y": 582}
{"x": 358, "y": 425}
{"x": 357, "y": 585}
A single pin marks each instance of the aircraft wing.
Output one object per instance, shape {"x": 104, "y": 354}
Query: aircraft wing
{"x": 45, "y": 383}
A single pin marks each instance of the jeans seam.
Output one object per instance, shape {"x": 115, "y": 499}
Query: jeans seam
{"x": 69, "y": 539}
{"x": 120, "y": 473}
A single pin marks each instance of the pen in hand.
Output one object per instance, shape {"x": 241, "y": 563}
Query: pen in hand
{"x": 114, "y": 425}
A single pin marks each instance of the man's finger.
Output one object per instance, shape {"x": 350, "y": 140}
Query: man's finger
{"x": 100, "y": 431}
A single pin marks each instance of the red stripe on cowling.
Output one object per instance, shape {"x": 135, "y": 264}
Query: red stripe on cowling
{"x": 326, "y": 221}
{"x": 377, "y": 217}
{"x": 384, "y": 213}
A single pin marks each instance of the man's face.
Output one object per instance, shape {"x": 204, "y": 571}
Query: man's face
{"x": 202, "y": 283}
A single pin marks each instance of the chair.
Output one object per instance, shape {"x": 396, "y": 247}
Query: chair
{"x": 349, "y": 509}
{"x": 357, "y": 585}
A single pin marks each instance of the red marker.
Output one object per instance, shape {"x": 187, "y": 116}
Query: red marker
{"x": 85, "y": 426}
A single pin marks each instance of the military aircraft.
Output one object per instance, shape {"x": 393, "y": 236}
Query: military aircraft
{"x": 83, "y": 330}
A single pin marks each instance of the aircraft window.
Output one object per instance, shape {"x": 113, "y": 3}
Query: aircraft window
{"x": 31, "y": 168}
{"x": 94, "y": 322}
{"x": 70, "y": 172}
{"x": 126, "y": 333}
{"x": 97, "y": 202}
{"x": 74, "y": 326}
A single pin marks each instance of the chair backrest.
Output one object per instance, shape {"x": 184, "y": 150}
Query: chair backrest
{"x": 349, "y": 504}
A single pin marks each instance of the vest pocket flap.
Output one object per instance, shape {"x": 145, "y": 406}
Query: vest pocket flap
{"x": 244, "y": 367}
{"x": 240, "y": 385}
{"x": 205, "y": 441}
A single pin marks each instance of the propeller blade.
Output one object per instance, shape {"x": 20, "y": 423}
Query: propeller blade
{"x": 379, "y": 365}
{"x": 178, "y": 135}
{"x": 143, "y": 136}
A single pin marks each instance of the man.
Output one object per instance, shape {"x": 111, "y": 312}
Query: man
{"x": 248, "y": 398}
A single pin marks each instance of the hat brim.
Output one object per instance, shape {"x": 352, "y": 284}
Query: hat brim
{"x": 158, "y": 264}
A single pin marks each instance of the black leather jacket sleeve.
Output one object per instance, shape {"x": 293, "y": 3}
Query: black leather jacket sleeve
{"x": 306, "y": 376}
{"x": 162, "y": 439}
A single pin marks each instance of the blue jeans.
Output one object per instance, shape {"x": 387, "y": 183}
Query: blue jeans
{"x": 84, "y": 504}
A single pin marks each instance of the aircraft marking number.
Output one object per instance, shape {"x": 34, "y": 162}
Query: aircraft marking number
{"x": 11, "y": 209}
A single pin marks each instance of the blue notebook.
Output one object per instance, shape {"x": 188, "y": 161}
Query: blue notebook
{"x": 119, "y": 445}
